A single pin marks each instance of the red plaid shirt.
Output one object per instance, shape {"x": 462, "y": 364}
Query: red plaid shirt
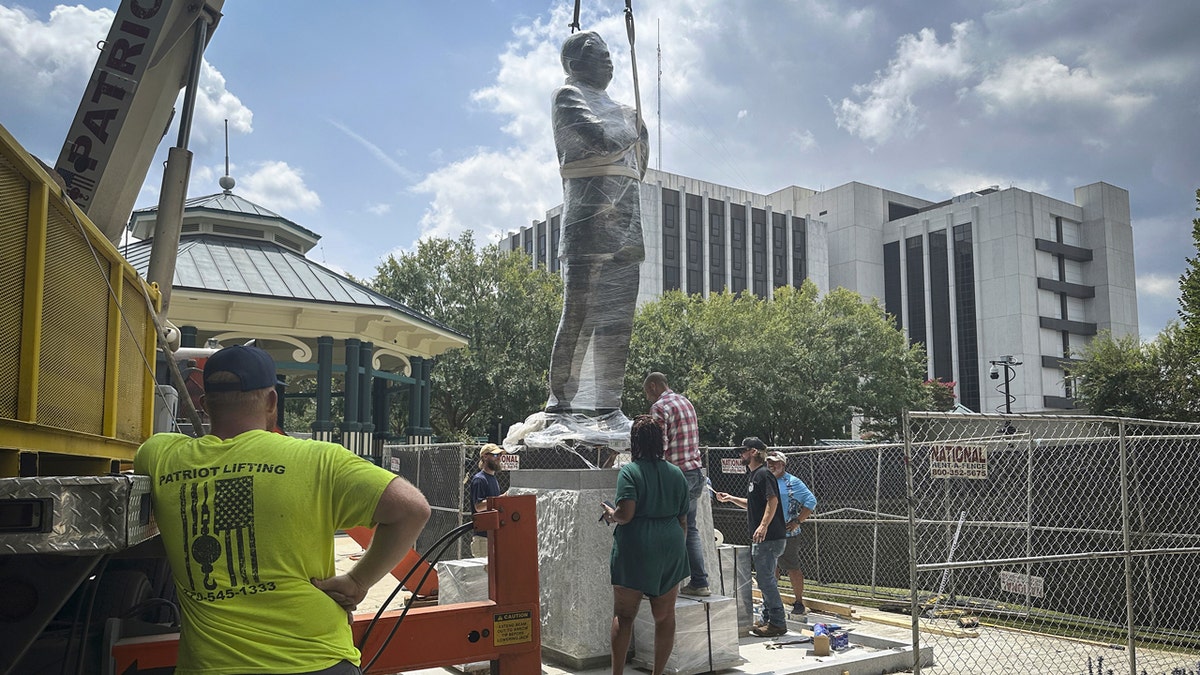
{"x": 681, "y": 432}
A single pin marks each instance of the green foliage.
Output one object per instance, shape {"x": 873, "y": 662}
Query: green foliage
{"x": 1118, "y": 376}
{"x": 507, "y": 309}
{"x": 790, "y": 370}
{"x": 1189, "y": 291}
{"x": 1152, "y": 380}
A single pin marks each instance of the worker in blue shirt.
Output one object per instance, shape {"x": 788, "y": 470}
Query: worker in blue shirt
{"x": 798, "y": 503}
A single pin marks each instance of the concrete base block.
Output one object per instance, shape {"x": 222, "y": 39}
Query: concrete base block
{"x": 706, "y": 636}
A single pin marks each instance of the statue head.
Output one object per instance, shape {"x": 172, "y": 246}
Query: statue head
{"x": 585, "y": 59}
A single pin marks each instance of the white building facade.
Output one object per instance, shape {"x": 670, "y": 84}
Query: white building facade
{"x": 984, "y": 276}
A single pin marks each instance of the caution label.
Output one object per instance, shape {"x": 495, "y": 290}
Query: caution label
{"x": 512, "y": 628}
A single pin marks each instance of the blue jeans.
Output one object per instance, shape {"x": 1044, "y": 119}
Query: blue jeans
{"x": 765, "y": 555}
{"x": 695, "y": 551}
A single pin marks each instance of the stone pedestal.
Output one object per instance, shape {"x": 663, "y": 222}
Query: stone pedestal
{"x": 573, "y": 560}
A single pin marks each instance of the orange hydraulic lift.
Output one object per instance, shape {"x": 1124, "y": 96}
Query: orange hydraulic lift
{"x": 505, "y": 629}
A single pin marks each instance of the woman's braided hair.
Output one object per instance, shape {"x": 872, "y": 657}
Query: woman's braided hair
{"x": 646, "y": 438}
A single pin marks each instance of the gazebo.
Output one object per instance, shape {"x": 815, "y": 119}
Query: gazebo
{"x": 242, "y": 274}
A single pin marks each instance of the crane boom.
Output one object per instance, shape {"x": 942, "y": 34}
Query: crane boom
{"x": 128, "y": 105}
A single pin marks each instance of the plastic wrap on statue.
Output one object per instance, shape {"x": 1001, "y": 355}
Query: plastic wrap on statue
{"x": 602, "y": 152}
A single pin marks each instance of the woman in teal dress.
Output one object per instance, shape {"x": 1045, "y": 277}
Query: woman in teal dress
{"x": 649, "y": 556}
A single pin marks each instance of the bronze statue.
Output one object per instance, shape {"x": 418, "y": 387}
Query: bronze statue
{"x": 602, "y": 151}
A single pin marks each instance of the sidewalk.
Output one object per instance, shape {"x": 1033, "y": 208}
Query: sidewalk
{"x": 764, "y": 656}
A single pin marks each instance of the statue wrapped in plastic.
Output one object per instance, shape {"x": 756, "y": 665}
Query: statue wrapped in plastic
{"x": 602, "y": 151}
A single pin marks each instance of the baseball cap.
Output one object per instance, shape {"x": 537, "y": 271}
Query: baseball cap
{"x": 776, "y": 456}
{"x": 754, "y": 443}
{"x": 254, "y": 368}
{"x": 491, "y": 449}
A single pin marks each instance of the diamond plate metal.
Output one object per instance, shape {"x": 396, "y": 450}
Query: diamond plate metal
{"x": 90, "y": 514}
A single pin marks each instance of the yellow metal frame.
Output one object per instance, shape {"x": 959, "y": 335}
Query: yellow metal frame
{"x": 58, "y": 450}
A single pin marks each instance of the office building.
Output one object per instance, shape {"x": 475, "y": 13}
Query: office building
{"x": 986, "y": 275}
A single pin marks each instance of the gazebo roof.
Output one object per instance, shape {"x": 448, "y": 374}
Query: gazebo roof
{"x": 241, "y": 272}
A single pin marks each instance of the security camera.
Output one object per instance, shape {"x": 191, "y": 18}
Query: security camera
{"x": 994, "y": 373}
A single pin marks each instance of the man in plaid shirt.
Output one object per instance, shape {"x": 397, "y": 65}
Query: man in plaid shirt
{"x": 682, "y": 437}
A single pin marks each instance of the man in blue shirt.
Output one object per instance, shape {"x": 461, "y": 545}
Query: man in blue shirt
{"x": 483, "y": 486}
{"x": 798, "y": 503}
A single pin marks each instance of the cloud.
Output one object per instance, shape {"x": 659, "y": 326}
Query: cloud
{"x": 954, "y": 182}
{"x": 490, "y": 192}
{"x": 1034, "y": 81}
{"x": 741, "y": 114}
{"x": 279, "y": 187}
{"x": 804, "y": 140}
{"x": 215, "y": 104}
{"x": 1158, "y": 285}
{"x": 49, "y": 62}
{"x": 379, "y": 209}
{"x": 921, "y": 62}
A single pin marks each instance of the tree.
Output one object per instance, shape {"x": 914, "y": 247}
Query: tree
{"x": 1189, "y": 290}
{"x": 1118, "y": 376}
{"x": 790, "y": 370}
{"x": 508, "y": 310}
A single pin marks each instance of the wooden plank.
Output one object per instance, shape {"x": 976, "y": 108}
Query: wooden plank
{"x": 824, "y": 606}
{"x": 926, "y": 627}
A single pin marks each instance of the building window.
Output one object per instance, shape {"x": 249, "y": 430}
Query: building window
{"x": 941, "y": 349}
{"x": 915, "y": 275}
{"x": 527, "y": 242}
{"x": 694, "y": 223}
{"x": 541, "y": 244}
{"x": 779, "y": 250}
{"x": 892, "y": 291}
{"x": 555, "y": 234}
{"x": 758, "y": 219}
{"x": 964, "y": 296}
{"x": 737, "y": 247}
{"x": 670, "y": 239}
{"x": 716, "y": 245}
{"x": 799, "y": 251}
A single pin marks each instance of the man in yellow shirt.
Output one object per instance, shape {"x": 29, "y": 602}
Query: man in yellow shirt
{"x": 248, "y": 518}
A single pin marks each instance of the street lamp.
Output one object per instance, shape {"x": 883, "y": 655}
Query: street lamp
{"x": 1008, "y": 363}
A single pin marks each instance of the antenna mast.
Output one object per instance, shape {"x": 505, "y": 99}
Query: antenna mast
{"x": 659, "y": 167}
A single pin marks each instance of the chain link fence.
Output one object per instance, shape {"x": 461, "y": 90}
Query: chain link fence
{"x": 442, "y": 471}
{"x": 1064, "y": 544}
{"x": 1071, "y": 539}
{"x": 854, "y": 547}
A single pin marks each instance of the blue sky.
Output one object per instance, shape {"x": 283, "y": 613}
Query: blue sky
{"x": 377, "y": 123}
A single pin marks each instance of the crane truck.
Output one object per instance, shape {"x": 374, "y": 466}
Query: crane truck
{"x": 78, "y": 389}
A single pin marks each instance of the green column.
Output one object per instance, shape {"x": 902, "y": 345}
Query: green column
{"x": 365, "y": 383}
{"x": 414, "y": 397}
{"x": 350, "y": 420}
{"x": 323, "y": 425}
{"x": 426, "y": 391}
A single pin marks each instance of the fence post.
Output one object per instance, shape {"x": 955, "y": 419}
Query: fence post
{"x": 1029, "y": 523}
{"x": 1128, "y": 551}
{"x": 914, "y": 609}
{"x": 875, "y": 527}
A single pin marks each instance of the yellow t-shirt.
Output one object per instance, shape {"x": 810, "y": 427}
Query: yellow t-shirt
{"x": 247, "y": 522}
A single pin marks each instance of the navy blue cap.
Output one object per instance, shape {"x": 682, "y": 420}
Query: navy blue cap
{"x": 753, "y": 443}
{"x": 254, "y": 368}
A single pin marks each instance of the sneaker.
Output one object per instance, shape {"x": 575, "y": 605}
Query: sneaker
{"x": 699, "y": 592}
{"x": 798, "y": 609}
{"x": 768, "y": 631}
